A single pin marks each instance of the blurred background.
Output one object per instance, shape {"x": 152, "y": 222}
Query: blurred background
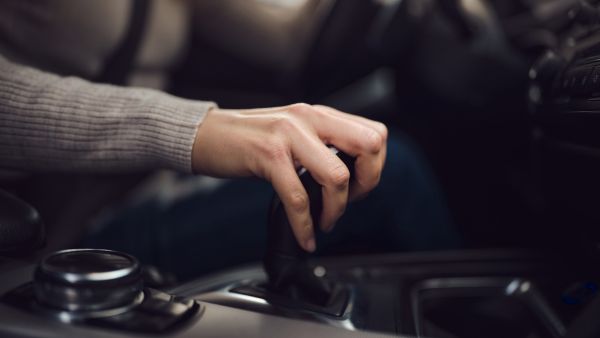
{"x": 452, "y": 74}
{"x": 472, "y": 82}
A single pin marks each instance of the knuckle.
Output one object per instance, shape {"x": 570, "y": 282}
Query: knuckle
{"x": 298, "y": 202}
{"x": 383, "y": 130}
{"x": 300, "y": 106}
{"x": 276, "y": 151}
{"x": 325, "y": 110}
{"x": 282, "y": 124}
{"x": 340, "y": 176}
{"x": 372, "y": 181}
{"x": 301, "y": 109}
{"x": 374, "y": 140}
{"x": 307, "y": 229}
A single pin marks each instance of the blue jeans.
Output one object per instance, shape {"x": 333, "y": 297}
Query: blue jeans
{"x": 219, "y": 229}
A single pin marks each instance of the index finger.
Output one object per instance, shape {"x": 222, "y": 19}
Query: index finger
{"x": 294, "y": 197}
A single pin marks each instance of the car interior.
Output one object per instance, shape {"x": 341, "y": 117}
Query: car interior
{"x": 502, "y": 96}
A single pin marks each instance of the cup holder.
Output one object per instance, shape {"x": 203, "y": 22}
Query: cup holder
{"x": 482, "y": 307}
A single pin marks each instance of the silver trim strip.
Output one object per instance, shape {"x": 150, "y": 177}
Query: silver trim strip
{"x": 72, "y": 277}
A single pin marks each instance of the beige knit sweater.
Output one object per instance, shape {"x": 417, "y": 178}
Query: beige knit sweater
{"x": 51, "y": 122}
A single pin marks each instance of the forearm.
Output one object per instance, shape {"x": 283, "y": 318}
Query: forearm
{"x": 52, "y": 123}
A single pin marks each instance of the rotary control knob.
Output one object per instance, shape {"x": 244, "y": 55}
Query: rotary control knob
{"x": 88, "y": 280}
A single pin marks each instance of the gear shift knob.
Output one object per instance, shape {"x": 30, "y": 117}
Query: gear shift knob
{"x": 284, "y": 261}
{"x": 88, "y": 280}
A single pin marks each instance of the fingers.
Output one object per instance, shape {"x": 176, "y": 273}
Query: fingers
{"x": 306, "y": 132}
{"x": 295, "y": 201}
{"x": 329, "y": 171}
{"x": 359, "y": 137}
{"x": 378, "y": 126}
{"x": 270, "y": 143}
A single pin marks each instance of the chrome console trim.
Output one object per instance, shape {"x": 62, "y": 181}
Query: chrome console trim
{"x": 224, "y": 296}
{"x": 81, "y": 277}
{"x": 74, "y": 316}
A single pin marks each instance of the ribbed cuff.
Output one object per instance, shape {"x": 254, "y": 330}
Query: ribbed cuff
{"x": 176, "y": 120}
{"x": 52, "y": 123}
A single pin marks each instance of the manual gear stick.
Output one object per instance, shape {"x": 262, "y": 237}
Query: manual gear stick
{"x": 285, "y": 261}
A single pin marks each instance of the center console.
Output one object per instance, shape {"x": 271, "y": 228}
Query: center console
{"x": 99, "y": 293}
{"x": 94, "y": 292}
{"x": 446, "y": 294}
{"x": 100, "y": 288}
{"x": 103, "y": 293}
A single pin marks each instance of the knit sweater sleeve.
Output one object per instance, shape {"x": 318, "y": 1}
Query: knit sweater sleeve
{"x": 53, "y": 123}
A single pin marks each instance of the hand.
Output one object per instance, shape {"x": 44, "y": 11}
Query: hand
{"x": 271, "y": 143}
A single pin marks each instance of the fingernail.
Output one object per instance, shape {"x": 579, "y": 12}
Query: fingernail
{"x": 326, "y": 227}
{"x": 329, "y": 228}
{"x": 311, "y": 245}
